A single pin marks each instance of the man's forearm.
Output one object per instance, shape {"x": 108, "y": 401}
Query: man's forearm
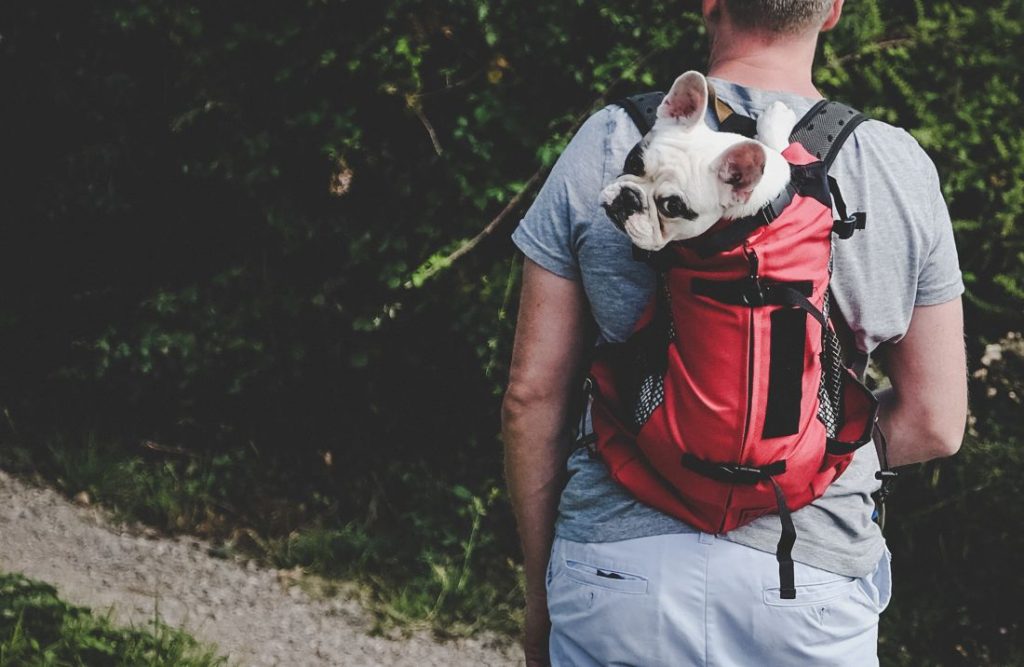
{"x": 536, "y": 447}
{"x": 924, "y": 413}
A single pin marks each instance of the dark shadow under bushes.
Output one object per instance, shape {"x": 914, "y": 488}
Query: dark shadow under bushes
{"x": 219, "y": 221}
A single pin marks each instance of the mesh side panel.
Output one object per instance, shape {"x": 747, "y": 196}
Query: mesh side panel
{"x": 650, "y": 391}
{"x": 650, "y": 395}
{"x": 830, "y": 389}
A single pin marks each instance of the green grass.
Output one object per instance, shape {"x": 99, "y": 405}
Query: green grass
{"x": 38, "y": 628}
{"x": 426, "y": 554}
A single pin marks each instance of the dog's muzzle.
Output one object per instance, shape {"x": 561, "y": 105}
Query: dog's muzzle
{"x": 625, "y": 204}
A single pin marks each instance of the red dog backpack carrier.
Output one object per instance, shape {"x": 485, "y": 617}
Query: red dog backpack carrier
{"x": 729, "y": 400}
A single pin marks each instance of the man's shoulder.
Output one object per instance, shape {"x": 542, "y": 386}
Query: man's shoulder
{"x": 612, "y": 125}
{"x": 878, "y": 140}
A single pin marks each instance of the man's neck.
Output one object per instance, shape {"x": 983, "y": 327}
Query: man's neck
{"x": 781, "y": 65}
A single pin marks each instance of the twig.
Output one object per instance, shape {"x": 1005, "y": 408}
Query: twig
{"x": 872, "y": 48}
{"x": 10, "y": 421}
{"x": 164, "y": 449}
{"x": 472, "y": 243}
{"x": 451, "y": 86}
{"x": 468, "y": 246}
{"x": 418, "y": 110}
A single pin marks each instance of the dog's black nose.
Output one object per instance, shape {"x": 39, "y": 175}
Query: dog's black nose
{"x": 625, "y": 204}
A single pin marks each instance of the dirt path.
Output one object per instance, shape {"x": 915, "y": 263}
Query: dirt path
{"x": 257, "y": 616}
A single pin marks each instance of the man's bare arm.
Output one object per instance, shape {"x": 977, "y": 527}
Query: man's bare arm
{"x": 923, "y": 414}
{"x": 552, "y": 337}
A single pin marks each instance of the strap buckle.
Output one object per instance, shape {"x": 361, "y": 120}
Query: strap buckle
{"x": 845, "y": 228}
{"x": 768, "y": 213}
{"x": 737, "y": 474}
{"x": 886, "y": 477}
{"x": 753, "y": 292}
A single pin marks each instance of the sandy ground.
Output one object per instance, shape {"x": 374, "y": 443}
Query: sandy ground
{"x": 256, "y": 616}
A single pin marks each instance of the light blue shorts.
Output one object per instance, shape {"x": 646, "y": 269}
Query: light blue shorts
{"x": 694, "y": 599}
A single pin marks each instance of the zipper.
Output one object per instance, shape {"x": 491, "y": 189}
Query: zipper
{"x": 755, "y": 279}
{"x": 752, "y": 259}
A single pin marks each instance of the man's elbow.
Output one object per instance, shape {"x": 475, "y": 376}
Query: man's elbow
{"x": 946, "y": 443}
{"x": 522, "y": 399}
{"x": 945, "y": 435}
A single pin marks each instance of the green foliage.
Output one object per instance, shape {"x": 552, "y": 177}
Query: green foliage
{"x": 38, "y": 628}
{"x": 445, "y": 568}
{"x": 230, "y": 229}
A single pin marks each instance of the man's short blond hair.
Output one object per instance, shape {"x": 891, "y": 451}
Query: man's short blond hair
{"x": 778, "y": 16}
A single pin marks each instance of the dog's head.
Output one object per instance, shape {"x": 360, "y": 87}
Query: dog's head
{"x": 683, "y": 177}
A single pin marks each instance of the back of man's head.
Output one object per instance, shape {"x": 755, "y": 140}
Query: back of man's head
{"x": 784, "y": 17}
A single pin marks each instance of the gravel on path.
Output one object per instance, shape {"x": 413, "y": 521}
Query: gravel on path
{"x": 255, "y": 615}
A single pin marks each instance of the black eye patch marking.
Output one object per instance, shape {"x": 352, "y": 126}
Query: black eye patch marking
{"x": 625, "y": 204}
{"x": 674, "y": 207}
{"x": 635, "y": 160}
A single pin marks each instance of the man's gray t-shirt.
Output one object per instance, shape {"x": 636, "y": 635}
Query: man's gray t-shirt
{"x": 904, "y": 258}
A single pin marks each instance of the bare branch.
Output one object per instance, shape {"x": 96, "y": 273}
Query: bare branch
{"x": 496, "y": 223}
{"x": 417, "y": 108}
{"x": 874, "y": 47}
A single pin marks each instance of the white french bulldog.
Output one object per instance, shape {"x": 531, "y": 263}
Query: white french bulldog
{"x": 683, "y": 177}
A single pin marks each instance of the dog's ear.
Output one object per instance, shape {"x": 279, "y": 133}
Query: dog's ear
{"x": 740, "y": 167}
{"x": 687, "y": 100}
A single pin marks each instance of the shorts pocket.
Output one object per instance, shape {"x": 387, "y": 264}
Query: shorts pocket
{"x": 877, "y": 586}
{"x": 812, "y": 593}
{"x": 605, "y": 577}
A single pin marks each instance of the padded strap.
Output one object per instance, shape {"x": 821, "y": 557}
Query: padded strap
{"x": 642, "y": 109}
{"x": 825, "y": 127}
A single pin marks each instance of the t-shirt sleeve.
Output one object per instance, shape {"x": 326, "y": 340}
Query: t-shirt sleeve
{"x": 940, "y": 279}
{"x": 547, "y": 232}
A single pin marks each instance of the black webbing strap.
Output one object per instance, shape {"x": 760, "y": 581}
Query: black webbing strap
{"x": 784, "y": 295}
{"x": 784, "y": 549}
{"x": 846, "y": 224}
{"x": 731, "y": 473}
{"x": 747, "y": 291}
{"x": 825, "y": 127}
{"x": 886, "y": 475}
{"x": 753, "y": 291}
{"x": 737, "y": 231}
{"x": 840, "y": 448}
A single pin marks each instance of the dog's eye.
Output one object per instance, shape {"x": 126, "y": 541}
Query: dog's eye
{"x": 674, "y": 207}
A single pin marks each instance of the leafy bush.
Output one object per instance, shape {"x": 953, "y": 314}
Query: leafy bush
{"x": 38, "y": 628}
{"x": 231, "y": 228}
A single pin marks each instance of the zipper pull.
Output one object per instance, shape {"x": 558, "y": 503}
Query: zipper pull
{"x": 753, "y": 293}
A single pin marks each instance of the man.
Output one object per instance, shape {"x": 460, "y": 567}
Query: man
{"x": 624, "y": 584}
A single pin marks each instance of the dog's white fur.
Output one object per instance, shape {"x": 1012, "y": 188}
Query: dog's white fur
{"x": 717, "y": 174}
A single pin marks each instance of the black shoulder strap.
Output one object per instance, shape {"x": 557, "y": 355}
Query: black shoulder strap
{"x": 825, "y": 127}
{"x": 642, "y": 109}
{"x": 822, "y": 130}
